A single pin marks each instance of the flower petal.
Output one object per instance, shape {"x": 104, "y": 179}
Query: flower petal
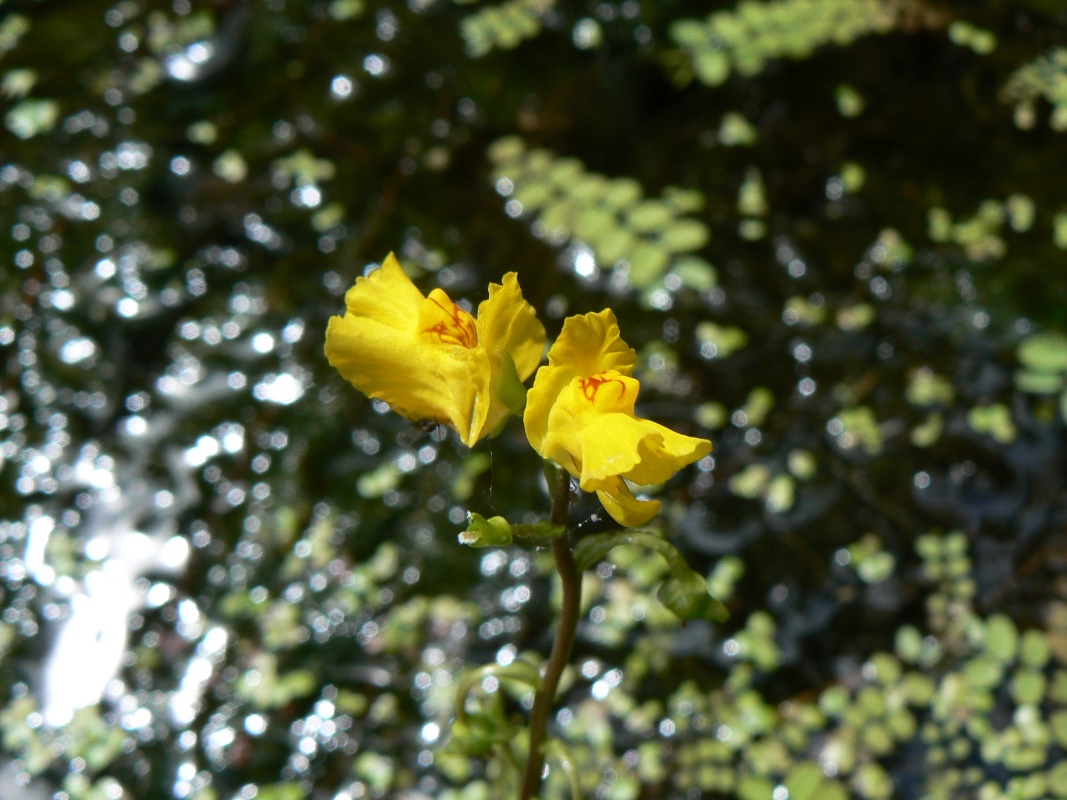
{"x": 443, "y": 323}
{"x": 444, "y": 383}
{"x": 610, "y": 446}
{"x": 508, "y": 328}
{"x": 663, "y": 452}
{"x": 508, "y": 324}
{"x": 591, "y": 343}
{"x": 386, "y": 295}
{"x": 623, "y": 507}
{"x": 588, "y": 344}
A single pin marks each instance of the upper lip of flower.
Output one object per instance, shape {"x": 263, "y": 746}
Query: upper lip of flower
{"x": 429, "y": 358}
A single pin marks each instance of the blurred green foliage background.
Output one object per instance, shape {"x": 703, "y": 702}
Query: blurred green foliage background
{"x": 833, "y": 229}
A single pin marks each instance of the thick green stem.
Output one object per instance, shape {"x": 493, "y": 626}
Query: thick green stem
{"x": 561, "y": 649}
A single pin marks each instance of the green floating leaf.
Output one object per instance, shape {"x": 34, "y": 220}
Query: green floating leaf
{"x": 621, "y": 193}
{"x": 754, "y": 787}
{"x": 32, "y": 117}
{"x": 780, "y": 495}
{"x": 1001, "y": 638}
{"x": 647, "y": 262}
{"x": 927, "y": 388}
{"x": 1045, "y": 383}
{"x": 719, "y": 342}
{"x": 1058, "y": 723}
{"x": 695, "y": 272}
{"x": 873, "y": 782}
{"x": 684, "y": 235}
{"x": 926, "y": 433}
{"x": 849, "y": 101}
{"x": 683, "y": 201}
{"x": 17, "y": 83}
{"x": 983, "y": 672}
{"x": 1057, "y": 779}
{"x": 712, "y": 67}
{"x": 803, "y": 781}
{"x": 993, "y": 420}
{"x": 595, "y": 225}
{"x": 1045, "y": 352}
{"x": 614, "y": 244}
{"x": 1028, "y": 687}
{"x": 1034, "y": 650}
{"x": 750, "y": 482}
{"x": 649, "y": 215}
{"x": 534, "y": 194}
{"x": 567, "y": 173}
{"x": 346, "y": 9}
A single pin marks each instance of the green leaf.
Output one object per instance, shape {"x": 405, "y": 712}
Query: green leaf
{"x": 983, "y": 671}
{"x": 695, "y": 272}
{"x": 647, "y": 262}
{"x": 1057, "y": 780}
{"x": 872, "y": 782}
{"x": 684, "y": 235}
{"x": 686, "y": 595}
{"x": 534, "y": 194}
{"x": 712, "y": 67}
{"x": 588, "y": 188}
{"x": 1046, "y": 352}
{"x": 622, "y": 192}
{"x": 684, "y": 201}
{"x": 482, "y": 532}
{"x": 594, "y": 225}
{"x": 803, "y": 780}
{"x": 1034, "y": 651}
{"x": 689, "y": 33}
{"x": 1033, "y": 382}
{"x": 1001, "y": 638}
{"x": 31, "y": 117}
{"x": 613, "y": 244}
{"x": 832, "y": 790}
{"x": 510, "y": 148}
{"x": 684, "y": 592}
{"x": 565, "y": 172}
{"x": 1058, "y": 723}
{"x": 1028, "y": 687}
{"x": 753, "y": 787}
{"x": 649, "y": 215}
{"x": 478, "y": 733}
{"x": 497, "y": 531}
{"x": 559, "y": 214}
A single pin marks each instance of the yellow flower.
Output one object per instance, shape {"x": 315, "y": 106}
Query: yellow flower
{"x": 428, "y": 358}
{"x": 580, "y": 414}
